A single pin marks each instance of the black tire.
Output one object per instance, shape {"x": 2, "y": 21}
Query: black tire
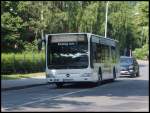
{"x": 59, "y": 85}
{"x": 114, "y": 74}
{"x": 133, "y": 75}
{"x": 99, "y": 77}
{"x": 137, "y": 74}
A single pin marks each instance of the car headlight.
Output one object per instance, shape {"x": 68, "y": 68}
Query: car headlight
{"x": 131, "y": 70}
{"x": 131, "y": 67}
{"x": 86, "y": 74}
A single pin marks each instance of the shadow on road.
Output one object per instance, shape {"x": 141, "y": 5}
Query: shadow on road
{"x": 127, "y": 76}
{"x": 83, "y": 85}
{"x": 120, "y": 89}
{"x": 114, "y": 90}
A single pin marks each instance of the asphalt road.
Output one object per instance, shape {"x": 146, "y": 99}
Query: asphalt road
{"x": 125, "y": 94}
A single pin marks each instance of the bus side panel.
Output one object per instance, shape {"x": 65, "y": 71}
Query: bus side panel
{"x": 108, "y": 62}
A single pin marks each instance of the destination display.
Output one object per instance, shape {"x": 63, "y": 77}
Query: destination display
{"x": 67, "y": 38}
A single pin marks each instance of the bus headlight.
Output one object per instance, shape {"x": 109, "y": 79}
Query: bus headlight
{"x": 50, "y": 76}
{"x": 86, "y": 74}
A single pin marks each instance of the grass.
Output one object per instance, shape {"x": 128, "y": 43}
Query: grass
{"x": 20, "y": 76}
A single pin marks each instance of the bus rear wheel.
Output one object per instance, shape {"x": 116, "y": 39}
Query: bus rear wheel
{"x": 114, "y": 74}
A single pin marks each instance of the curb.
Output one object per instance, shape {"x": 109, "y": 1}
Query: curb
{"x": 22, "y": 87}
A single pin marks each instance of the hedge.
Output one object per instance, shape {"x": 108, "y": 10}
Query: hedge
{"x": 22, "y": 63}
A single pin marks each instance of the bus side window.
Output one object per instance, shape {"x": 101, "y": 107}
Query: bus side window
{"x": 98, "y": 53}
{"x": 104, "y": 53}
{"x": 94, "y": 52}
{"x": 113, "y": 54}
{"x": 107, "y": 54}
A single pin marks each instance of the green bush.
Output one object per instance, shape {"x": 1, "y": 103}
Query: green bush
{"x": 141, "y": 53}
{"x": 22, "y": 63}
{"x": 31, "y": 46}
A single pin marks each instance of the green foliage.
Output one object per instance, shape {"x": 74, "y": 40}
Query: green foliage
{"x": 141, "y": 21}
{"x": 23, "y": 21}
{"x": 141, "y": 53}
{"x": 22, "y": 63}
{"x": 89, "y": 17}
{"x": 31, "y": 47}
{"x": 10, "y": 22}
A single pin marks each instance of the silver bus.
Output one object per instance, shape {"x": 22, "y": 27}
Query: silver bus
{"x": 80, "y": 57}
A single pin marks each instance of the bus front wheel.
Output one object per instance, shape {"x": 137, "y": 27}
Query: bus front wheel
{"x": 59, "y": 85}
{"x": 99, "y": 82}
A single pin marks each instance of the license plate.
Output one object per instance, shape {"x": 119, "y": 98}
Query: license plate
{"x": 67, "y": 80}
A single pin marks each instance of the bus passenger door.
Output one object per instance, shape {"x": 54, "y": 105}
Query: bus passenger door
{"x": 94, "y": 60}
{"x": 105, "y": 61}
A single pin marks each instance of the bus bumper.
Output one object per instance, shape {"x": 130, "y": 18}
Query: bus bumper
{"x": 70, "y": 80}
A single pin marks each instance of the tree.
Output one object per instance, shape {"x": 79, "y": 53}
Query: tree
{"x": 11, "y": 24}
{"x": 23, "y": 22}
{"x": 20, "y": 22}
{"x": 142, "y": 20}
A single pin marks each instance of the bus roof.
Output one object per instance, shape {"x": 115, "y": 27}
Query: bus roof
{"x": 85, "y": 33}
{"x": 108, "y": 38}
{"x": 126, "y": 57}
{"x": 66, "y": 33}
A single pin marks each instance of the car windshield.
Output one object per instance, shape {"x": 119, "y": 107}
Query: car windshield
{"x": 68, "y": 52}
{"x": 126, "y": 60}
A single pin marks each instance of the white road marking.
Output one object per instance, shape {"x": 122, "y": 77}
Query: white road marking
{"x": 21, "y": 105}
